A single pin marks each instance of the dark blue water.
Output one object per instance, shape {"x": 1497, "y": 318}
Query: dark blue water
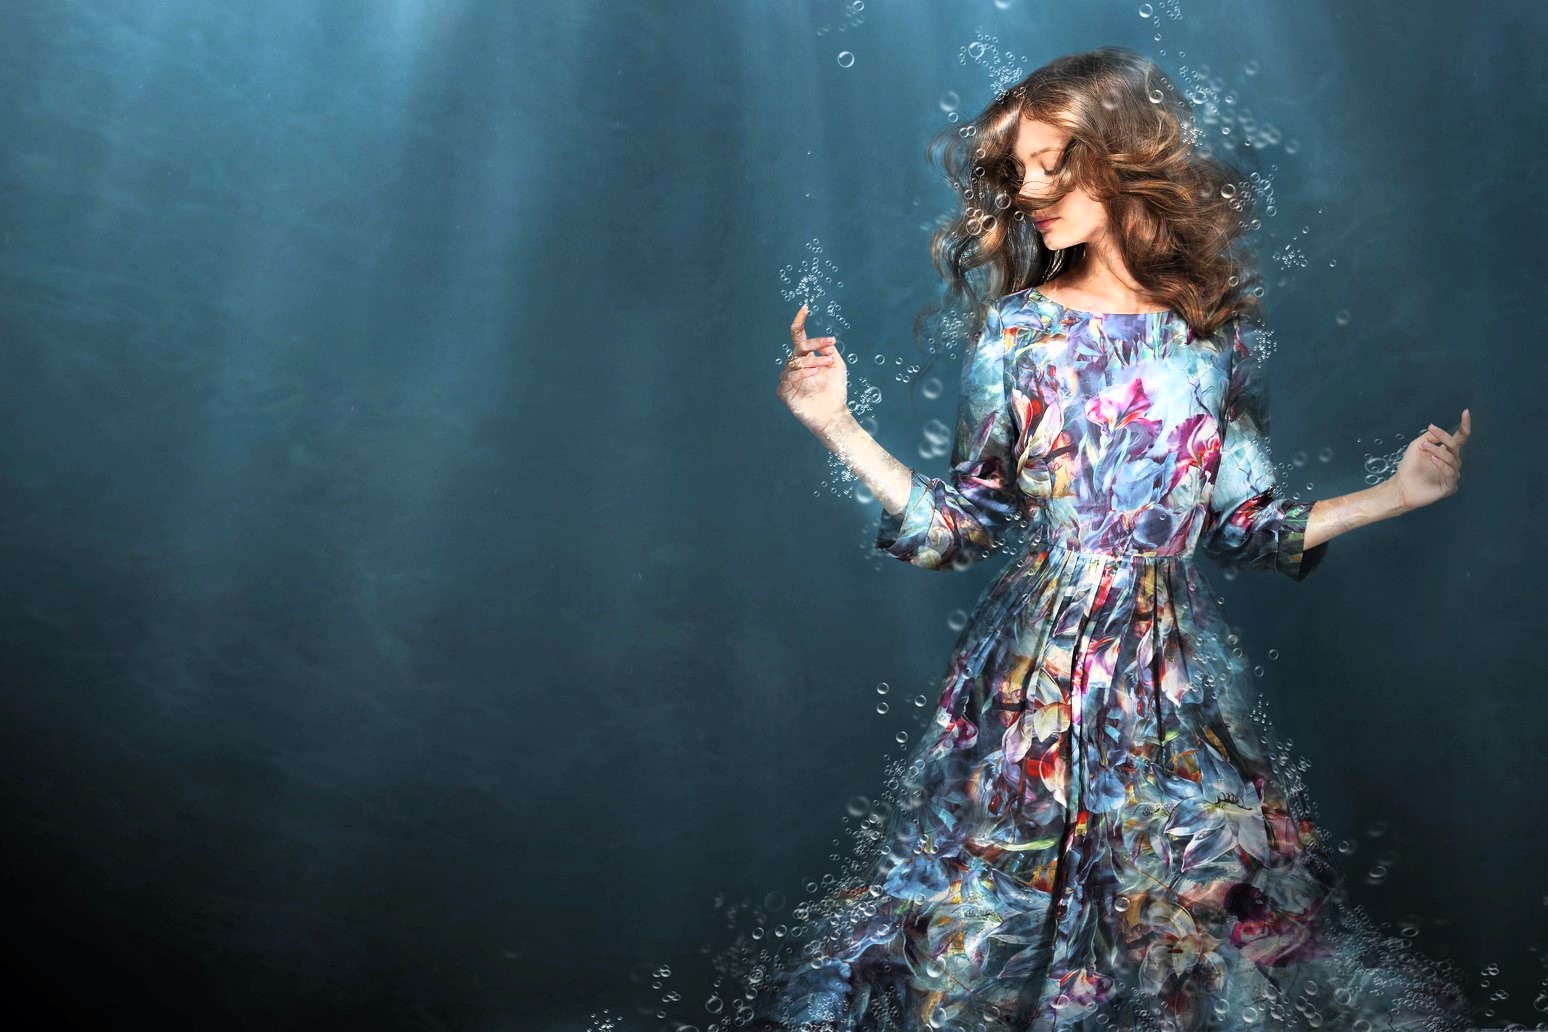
{"x": 420, "y": 612}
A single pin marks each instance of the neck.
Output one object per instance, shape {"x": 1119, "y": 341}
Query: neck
{"x": 1102, "y": 274}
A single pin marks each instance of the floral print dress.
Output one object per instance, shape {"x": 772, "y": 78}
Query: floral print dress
{"x": 1100, "y": 830}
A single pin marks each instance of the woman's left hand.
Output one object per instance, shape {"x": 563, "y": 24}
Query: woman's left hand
{"x": 1432, "y": 465}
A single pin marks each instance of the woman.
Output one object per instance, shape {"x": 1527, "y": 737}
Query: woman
{"x": 1101, "y": 833}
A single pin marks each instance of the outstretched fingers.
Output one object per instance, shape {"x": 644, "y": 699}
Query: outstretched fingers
{"x": 803, "y": 344}
{"x": 1441, "y": 453}
{"x": 1464, "y": 429}
{"x": 798, "y": 329}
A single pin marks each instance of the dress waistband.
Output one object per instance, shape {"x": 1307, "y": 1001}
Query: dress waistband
{"x": 1137, "y": 558}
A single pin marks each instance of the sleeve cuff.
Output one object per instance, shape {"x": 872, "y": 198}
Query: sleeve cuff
{"x": 1291, "y": 558}
{"x": 897, "y": 535}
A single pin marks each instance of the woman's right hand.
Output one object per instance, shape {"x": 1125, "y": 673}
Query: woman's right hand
{"x": 814, "y": 385}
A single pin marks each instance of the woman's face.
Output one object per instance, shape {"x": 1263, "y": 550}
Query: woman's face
{"x": 1078, "y": 218}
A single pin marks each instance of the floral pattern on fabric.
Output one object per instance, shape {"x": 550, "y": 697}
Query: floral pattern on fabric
{"x": 1099, "y": 831}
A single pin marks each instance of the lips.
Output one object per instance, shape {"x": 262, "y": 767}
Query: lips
{"x": 1040, "y": 223}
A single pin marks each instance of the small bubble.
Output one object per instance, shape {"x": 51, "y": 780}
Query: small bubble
{"x": 845, "y": 59}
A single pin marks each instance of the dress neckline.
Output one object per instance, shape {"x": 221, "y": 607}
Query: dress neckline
{"x": 1077, "y": 311}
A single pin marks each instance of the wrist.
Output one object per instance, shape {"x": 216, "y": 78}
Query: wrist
{"x": 837, "y": 430}
{"x": 1390, "y": 497}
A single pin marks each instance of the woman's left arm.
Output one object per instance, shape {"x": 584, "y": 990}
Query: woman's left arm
{"x": 1429, "y": 471}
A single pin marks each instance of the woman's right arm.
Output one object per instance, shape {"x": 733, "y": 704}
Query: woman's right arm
{"x": 930, "y": 522}
{"x": 889, "y": 480}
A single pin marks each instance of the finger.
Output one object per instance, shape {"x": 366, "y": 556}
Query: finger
{"x": 1464, "y": 428}
{"x": 1441, "y": 455}
{"x": 810, "y": 359}
{"x": 1442, "y": 436}
{"x": 798, "y": 328}
{"x": 1438, "y": 448}
{"x": 817, "y": 344}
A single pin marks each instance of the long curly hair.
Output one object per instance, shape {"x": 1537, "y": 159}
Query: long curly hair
{"x": 1179, "y": 215}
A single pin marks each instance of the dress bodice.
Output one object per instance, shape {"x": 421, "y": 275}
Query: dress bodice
{"x": 1113, "y": 434}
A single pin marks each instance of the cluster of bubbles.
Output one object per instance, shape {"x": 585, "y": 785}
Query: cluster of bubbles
{"x": 1005, "y": 69}
{"x": 1381, "y": 465}
{"x": 762, "y": 934}
{"x": 851, "y": 15}
{"x": 604, "y": 1021}
{"x": 1289, "y": 768}
{"x": 1285, "y": 472}
{"x": 1290, "y": 255}
{"x": 810, "y": 282}
{"x": 935, "y": 439}
{"x": 1265, "y": 342}
{"x": 1171, "y": 8}
{"x": 1216, "y": 113}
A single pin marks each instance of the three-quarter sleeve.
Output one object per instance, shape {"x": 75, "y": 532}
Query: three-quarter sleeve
{"x": 1248, "y": 523}
{"x": 953, "y": 522}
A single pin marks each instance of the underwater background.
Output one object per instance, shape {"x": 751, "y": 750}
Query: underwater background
{"x": 420, "y": 611}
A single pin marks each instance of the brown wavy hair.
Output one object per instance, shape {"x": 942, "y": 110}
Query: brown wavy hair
{"x": 1180, "y": 216}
